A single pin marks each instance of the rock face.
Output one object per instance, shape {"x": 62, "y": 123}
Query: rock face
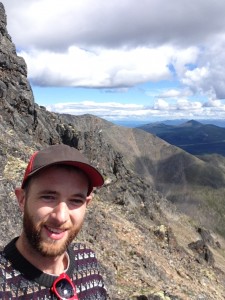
{"x": 146, "y": 248}
{"x": 14, "y": 87}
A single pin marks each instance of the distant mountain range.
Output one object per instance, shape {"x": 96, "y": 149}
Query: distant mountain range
{"x": 191, "y": 136}
{"x": 135, "y": 123}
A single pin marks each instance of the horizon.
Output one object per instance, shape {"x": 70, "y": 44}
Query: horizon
{"x": 95, "y": 61}
{"x": 134, "y": 124}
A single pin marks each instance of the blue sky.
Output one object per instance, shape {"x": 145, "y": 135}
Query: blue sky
{"x": 123, "y": 60}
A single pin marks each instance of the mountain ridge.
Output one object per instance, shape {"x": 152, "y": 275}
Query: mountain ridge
{"x": 191, "y": 136}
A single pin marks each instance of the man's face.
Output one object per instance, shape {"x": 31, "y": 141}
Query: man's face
{"x": 54, "y": 209}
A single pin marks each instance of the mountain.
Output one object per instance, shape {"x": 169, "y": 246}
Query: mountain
{"x": 217, "y": 122}
{"x": 147, "y": 247}
{"x": 191, "y": 136}
{"x": 137, "y": 123}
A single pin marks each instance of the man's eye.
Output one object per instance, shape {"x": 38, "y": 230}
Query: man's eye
{"x": 48, "y": 197}
{"x": 77, "y": 202}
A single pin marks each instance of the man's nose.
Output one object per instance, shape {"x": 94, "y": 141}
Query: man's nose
{"x": 61, "y": 212}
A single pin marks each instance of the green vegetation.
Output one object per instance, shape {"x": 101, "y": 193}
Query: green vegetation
{"x": 207, "y": 205}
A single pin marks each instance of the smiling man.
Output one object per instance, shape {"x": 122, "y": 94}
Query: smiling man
{"x": 43, "y": 262}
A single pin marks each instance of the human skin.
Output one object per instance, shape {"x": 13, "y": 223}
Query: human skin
{"x": 54, "y": 207}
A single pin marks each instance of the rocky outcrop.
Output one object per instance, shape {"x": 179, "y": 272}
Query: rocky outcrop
{"x": 141, "y": 240}
{"x": 17, "y": 100}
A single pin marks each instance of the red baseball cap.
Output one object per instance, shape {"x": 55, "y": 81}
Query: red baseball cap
{"x": 63, "y": 155}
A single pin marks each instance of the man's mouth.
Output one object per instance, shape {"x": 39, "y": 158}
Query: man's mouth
{"x": 55, "y": 233}
{"x": 55, "y": 230}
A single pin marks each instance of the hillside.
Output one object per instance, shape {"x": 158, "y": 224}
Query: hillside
{"x": 191, "y": 136}
{"x": 147, "y": 247}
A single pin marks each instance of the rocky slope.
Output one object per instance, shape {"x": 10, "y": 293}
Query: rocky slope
{"x": 146, "y": 248}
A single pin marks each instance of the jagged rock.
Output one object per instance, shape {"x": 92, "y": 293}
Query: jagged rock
{"x": 206, "y": 236}
{"x": 203, "y": 250}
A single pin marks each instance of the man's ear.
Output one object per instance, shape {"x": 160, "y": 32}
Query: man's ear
{"x": 89, "y": 198}
{"x": 20, "y": 195}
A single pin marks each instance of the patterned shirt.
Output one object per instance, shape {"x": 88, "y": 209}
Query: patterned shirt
{"x": 19, "y": 279}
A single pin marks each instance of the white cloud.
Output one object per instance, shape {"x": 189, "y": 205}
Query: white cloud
{"x": 170, "y": 93}
{"x": 184, "y": 104}
{"x": 175, "y": 93}
{"x": 106, "y": 110}
{"x": 209, "y": 76}
{"x": 50, "y": 23}
{"x": 183, "y": 57}
{"x": 120, "y": 44}
{"x": 160, "y": 104}
{"x": 161, "y": 109}
{"x": 196, "y": 76}
{"x": 102, "y": 68}
{"x": 214, "y": 103}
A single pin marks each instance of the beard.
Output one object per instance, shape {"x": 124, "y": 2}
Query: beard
{"x": 47, "y": 247}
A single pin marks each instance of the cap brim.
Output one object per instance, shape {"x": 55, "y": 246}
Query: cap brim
{"x": 95, "y": 177}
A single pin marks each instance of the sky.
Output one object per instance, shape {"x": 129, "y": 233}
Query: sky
{"x": 143, "y": 60}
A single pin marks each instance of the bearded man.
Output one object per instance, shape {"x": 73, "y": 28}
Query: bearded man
{"x": 43, "y": 262}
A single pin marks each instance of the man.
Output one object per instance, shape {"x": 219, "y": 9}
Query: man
{"x": 43, "y": 263}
